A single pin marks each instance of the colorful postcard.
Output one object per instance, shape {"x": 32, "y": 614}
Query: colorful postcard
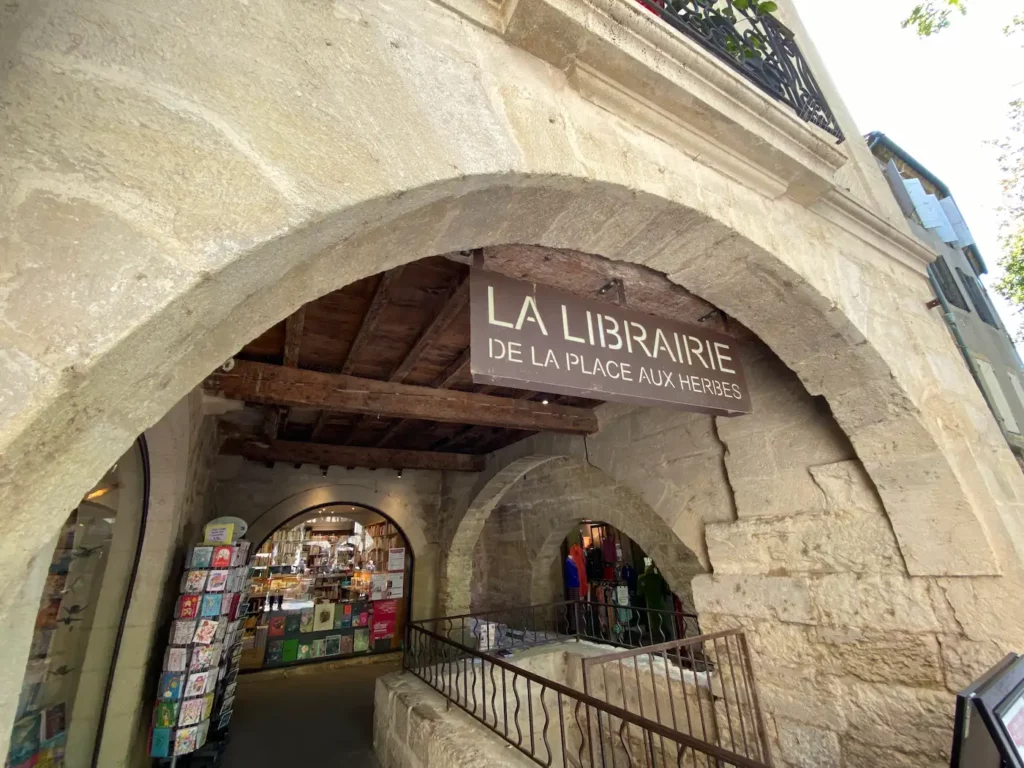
{"x": 170, "y": 686}
{"x": 49, "y": 612}
{"x": 203, "y": 730}
{"x": 207, "y": 706}
{"x": 220, "y": 631}
{"x": 211, "y": 680}
{"x": 364, "y": 618}
{"x": 206, "y": 631}
{"x": 238, "y": 556}
{"x": 323, "y": 617}
{"x": 275, "y": 648}
{"x": 197, "y": 684}
{"x": 176, "y": 660}
{"x": 306, "y": 620}
{"x": 230, "y": 688}
{"x": 160, "y": 742}
{"x": 166, "y": 715}
{"x": 276, "y": 627}
{"x": 191, "y": 712}
{"x": 228, "y": 704}
{"x": 289, "y": 650}
{"x": 346, "y": 644}
{"x": 188, "y": 607}
{"x": 182, "y": 631}
{"x": 211, "y": 605}
{"x": 332, "y": 645}
{"x": 194, "y": 582}
{"x": 292, "y": 621}
{"x": 202, "y": 557}
{"x": 24, "y": 739}
{"x": 204, "y": 658}
{"x": 318, "y": 649}
{"x": 305, "y": 651}
{"x": 217, "y": 581}
{"x": 226, "y": 605}
{"x": 222, "y": 557}
{"x": 185, "y": 740}
{"x": 224, "y": 721}
{"x": 361, "y": 640}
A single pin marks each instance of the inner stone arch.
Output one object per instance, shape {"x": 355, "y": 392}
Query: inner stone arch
{"x": 519, "y": 543}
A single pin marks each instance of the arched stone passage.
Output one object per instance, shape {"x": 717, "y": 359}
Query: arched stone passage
{"x": 458, "y": 563}
{"x": 138, "y": 265}
{"x": 625, "y": 511}
{"x": 543, "y": 501}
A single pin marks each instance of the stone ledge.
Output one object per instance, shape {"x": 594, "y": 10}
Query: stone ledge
{"x": 412, "y": 728}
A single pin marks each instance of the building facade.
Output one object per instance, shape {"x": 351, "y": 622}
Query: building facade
{"x": 956, "y": 274}
{"x": 178, "y": 180}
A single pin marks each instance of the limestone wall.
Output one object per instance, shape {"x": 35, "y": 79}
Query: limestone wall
{"x": 181, "y": 450}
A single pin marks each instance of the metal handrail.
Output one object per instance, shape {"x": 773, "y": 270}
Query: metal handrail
{"x": 413, "y": 652}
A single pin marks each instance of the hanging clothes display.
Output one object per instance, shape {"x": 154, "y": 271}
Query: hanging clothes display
{"x": 572, "y": 578}
{"x": 579, "y": 558}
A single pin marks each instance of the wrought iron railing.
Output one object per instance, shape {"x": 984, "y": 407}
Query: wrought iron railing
{"x": 702, "y": 685}
{"x": 745, "y": 35}
{"x": 550, "y": 722}
{"x": 508, "y": 629}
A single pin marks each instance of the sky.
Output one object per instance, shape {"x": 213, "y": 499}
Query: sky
{"x": 943, "y": 99}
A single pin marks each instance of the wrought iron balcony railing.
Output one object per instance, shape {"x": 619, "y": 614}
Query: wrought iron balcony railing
{"x": 745, "y": 35}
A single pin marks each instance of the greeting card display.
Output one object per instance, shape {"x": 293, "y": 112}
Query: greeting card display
{"x": 204, "y": 651}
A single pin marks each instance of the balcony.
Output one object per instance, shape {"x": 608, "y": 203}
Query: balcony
{"x": 720, "y": 80}
{"x": 746, "y": 36}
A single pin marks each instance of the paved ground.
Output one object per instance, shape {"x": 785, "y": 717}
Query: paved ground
{"x": 298, "y": 718}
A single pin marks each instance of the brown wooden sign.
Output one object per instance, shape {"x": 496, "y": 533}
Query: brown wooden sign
{"x": 530, "y": 336}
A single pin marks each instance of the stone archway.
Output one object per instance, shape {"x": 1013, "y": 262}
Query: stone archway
{"x": 629, "y": 514}
{"x": 163, "y": 219}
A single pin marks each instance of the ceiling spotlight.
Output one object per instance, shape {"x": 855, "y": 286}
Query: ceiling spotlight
{"x": 323, "y": 469}
{"x": 399, "y": 474}
{"x": 544, "y": 402}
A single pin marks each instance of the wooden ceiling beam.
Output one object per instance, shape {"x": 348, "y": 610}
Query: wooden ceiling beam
{"x": 293, "y": 337}
{"x": 295, "y": 387}
{"x": 348, "y": 456}
{"x": 370, "y": 319}
{"x": 453, "y": 305}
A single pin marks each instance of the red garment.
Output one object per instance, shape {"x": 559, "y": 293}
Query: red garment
{"x": 609, "y": 573}
{"x": 576, "y": 553}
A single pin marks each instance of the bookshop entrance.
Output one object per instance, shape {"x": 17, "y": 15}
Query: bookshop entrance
{"x": 329, "y": 584}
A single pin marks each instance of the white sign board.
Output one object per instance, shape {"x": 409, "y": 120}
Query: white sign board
{"x": 396, "y": 559}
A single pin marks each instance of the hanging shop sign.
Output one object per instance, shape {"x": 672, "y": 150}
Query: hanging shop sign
{"x": 529, "y": 336}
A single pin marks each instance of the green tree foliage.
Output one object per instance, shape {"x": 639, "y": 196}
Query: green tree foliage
{"x": 932, "y": 16}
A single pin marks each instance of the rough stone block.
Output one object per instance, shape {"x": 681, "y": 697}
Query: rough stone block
{"x": 881, "y": 657}
{"x": 847, "y": 487}
{"x": 861, "y": 755}
{"x": 964, "y": 661}
{"x": 914, "y": 720}
{"x": 874, "y": 602}
{"x": 803, "y": 697}
{"x": 807, "y": 543}
{"x": 759, "y": 597}
{"x": 783, "y": 493}
{"x": 805, "y": 747}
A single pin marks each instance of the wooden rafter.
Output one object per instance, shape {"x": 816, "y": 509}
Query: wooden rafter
{"x": 370, "y": 318}
{"x": 456, "y": 300}
{"x": 293, "y": 337}
{"x": 349, "y": 456}
{"x": 449, "y": 376}
{"x": 295, "y": 387}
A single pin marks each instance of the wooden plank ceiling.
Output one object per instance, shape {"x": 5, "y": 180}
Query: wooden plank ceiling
{"x": 383, "y": 365}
